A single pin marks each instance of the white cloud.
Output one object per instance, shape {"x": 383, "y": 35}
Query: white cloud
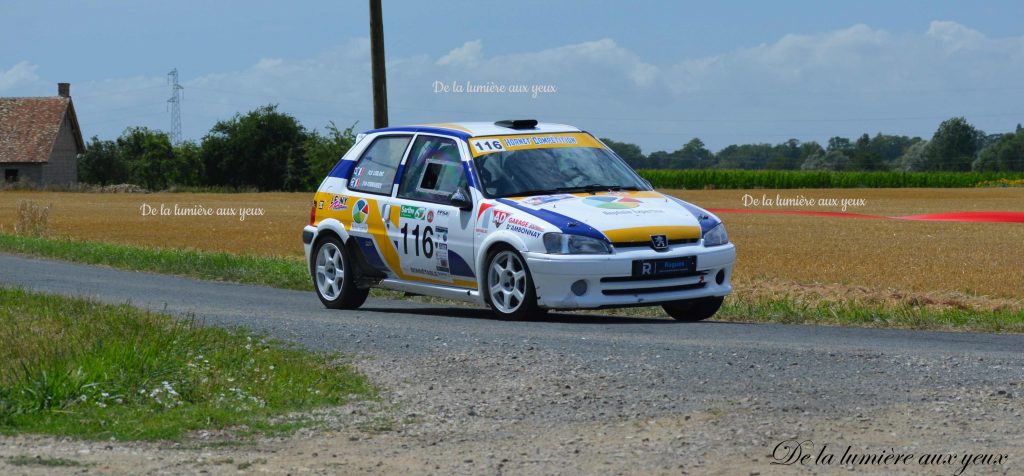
{"x": 858, "y": 60}
{"x": 582, "y": 61}
{"x": 809, "y": 86}
{"x": 954, "y": 34}
{"x": 21, "y": 74}
{"x": 470, "y": 52}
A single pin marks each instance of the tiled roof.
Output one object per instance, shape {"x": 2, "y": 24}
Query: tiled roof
{"x": 29, "y": 127}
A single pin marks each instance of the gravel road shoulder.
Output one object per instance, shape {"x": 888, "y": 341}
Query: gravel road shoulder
{"x": 573, "y": 394}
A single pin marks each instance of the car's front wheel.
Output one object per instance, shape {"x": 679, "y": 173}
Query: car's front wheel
{"x": 510, "y": 290}
{"x": 693, "y": 310}
{"x": 334, "y": 276}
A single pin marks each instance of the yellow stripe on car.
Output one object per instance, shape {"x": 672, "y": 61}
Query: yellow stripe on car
{"x": 643, "y": 233}
{"x": 490, "y": 144}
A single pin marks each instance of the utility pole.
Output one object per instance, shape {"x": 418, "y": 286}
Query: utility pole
{"x": 380, "y": 84}
{"x": 175, "y": 105}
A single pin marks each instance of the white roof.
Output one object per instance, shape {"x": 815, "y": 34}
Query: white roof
{"x": 489, "y": 129}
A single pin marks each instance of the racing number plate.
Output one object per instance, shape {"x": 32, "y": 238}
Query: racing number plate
{"x": 664, "y": 267}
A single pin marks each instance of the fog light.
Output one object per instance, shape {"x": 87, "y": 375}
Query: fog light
{"x": 720, "y": 277}
{"x": 579, "y": 288}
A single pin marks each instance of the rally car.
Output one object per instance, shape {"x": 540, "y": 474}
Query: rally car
{"x": 518, "y": 215}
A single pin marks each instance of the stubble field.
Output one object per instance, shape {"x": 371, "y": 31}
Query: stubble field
{"x": 947, "y": 264}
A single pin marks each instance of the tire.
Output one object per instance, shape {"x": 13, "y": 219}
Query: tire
{"x": 509, "y": 286}
{"x": 334, "y": 276}
{"x": 693, "y": 310}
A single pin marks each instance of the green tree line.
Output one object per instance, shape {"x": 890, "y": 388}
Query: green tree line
{"x": 264, "y": 149}
{"x": 267, "y": 149}
{"x": 956, "y": 146}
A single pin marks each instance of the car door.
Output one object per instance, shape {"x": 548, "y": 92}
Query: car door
{"x": 433, "y": 238}
{"x": 362, "y": 209}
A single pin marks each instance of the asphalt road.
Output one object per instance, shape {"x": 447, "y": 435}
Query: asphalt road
{"x": 398, "y": 326}
{"x": 467, "y": 377}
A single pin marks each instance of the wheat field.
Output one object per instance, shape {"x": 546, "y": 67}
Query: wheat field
{"x": 791, "y": 254}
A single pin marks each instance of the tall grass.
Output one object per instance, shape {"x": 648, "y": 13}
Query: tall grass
{"x": 33, "y": 219}
{"x": 77, "y": 367}
{"x": 740, "y": 179}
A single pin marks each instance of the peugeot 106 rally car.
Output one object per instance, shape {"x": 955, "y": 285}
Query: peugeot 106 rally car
{"x": 518, "y": 215}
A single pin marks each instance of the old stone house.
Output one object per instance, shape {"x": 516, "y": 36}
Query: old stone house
{"x": 40, "y": 139}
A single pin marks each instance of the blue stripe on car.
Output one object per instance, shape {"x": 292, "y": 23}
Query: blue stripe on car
{"x": 564, "y": 223}
{"x": 470, "y": 176}
{"x": 398, "y": 174}
{"x": 427, "y": 129}
{"x": 343, "y": 169}
{"x": 370, "y": 252}
{"x": 707, "y": 220}
{"x": 459, "y": 266}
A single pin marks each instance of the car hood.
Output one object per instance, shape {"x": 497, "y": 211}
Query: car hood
{"x": 622, "y": 217}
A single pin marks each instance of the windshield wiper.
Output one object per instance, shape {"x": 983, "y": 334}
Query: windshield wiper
{"x": 581, "y": 188}
{"x": 539, "y": 191}
{"x": 602, "y": 188}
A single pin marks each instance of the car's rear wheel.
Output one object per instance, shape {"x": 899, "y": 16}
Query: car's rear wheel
{"x": 693, "y": 310}
{"x": 510, "y": 290}
{"x": 334, "y": 276}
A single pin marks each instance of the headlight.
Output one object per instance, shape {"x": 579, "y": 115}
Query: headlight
{"x": 716, "y": 236}
{"x": 563, "y": 244}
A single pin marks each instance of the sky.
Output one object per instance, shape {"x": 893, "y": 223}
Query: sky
{"x": 656, "y": 74}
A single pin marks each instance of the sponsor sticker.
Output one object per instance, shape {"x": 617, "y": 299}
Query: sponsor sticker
{"x": 483, "y": 219}
{"x": 523, "y": 227}
{"x": 553, "y": 140}
{"x": 409, "y": 211}
{"x": 516, "y": 141}
{"x": 339, "y": 202}
{"x": 360, "y": 214}
{"x": 500, "y": 217}
{"x": 441, "y": 252}
{"x": 610, "y": 202}
{"x": 524, "y": 223}
{"x": 493, "y": 144}
{"x": 522, "y": 230}
{"x": 542, "y": 199}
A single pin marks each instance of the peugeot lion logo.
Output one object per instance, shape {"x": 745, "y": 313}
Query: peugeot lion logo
{"x": 659, "y": 242}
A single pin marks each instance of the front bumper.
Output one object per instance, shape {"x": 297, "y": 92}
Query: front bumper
{"x": 609, "y": 281}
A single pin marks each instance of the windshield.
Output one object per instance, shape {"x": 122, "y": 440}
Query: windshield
{"x": 554, "y": 170}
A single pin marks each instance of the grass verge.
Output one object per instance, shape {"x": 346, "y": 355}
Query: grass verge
{"x": 75, "y": 367}
{"x": 853, "y": 313}
{"x": 290, "y": 273}
{"x": 794, "y": 310}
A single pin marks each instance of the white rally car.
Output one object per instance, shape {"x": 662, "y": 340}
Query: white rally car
{"x": 519, "y": 215}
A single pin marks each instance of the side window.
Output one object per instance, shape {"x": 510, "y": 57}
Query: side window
{"x": 375, "y": 171}
{"x": 433, "y": 172}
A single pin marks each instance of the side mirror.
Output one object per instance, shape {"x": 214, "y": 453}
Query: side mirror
{"x": 462, "y": 199}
